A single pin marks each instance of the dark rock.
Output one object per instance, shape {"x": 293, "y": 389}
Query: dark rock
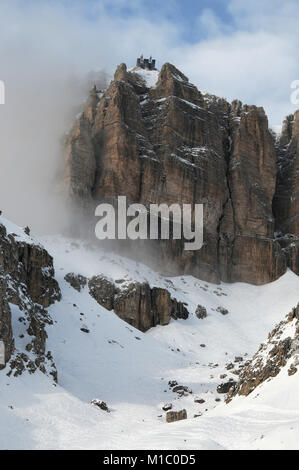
{"x": 271, "y": 357}
{"x": 85, "y": 330}
{"x": 292, "y": 370}
{"x": 27, "y": 281}
{"x": 199, "y": 400}
{"x": 180, "y": 389}
{"x": 172, "y": 383}
{"x": 222, "y": 310}
{"x": 225, "y": 387}
{"x": 102, "y": 290}
{"x": 238, "y": 359}
{"x": 172, "y": 416}
{"x": 137, "y": 303}
{"x": 201, "y": 312}
{"x": 286, "y": 200}
{"x": 167, "y": 407}
{"x": 77, "y": 281}
{"x": 6, "y": 333}
{"x": 143, "y": 307}
{"x": 178, "y": 310}
{"x": 100, "y": 404}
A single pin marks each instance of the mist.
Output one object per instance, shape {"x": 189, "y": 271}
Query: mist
{"x": 48, "y": 61}
{"x": 43, "y": 93}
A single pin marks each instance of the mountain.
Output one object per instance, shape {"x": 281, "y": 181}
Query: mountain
{"x": 106, "y": 345}
{"x": 285, "y": 204}
{"x": 155, "y": 138}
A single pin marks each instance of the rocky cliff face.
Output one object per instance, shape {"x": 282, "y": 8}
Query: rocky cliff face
{"x": 280, "y": 350}
{"x": 27, "y": 288}
{"x": 136, "y": 303}
{"x": 286, "y": 201}
{"x": 169, "y": 143}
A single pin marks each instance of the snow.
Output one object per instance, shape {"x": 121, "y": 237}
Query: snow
{"x": 18, "y": 232}
{"x": 149, "y": 76}
{"x": 277, "y": 130}
{"x": 130, "y": 370}
{"x": 182, "y": 160}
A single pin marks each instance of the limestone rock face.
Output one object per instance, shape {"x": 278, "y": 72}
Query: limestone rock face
{"x": 6, "y": 334}
{"x": 137, "y": 303}
{"x": 172, "y": 416}
{"x": 81, "y": 163}
{"x": 271, "y": 357}
{"x": 102, "y": 290}
{"x": 251, "y": 180}
{"x": 77, "y": 281}
{"x": 26, "y": 281}
{"x": 169, "y": 143}
{"x": 286, "y": 201}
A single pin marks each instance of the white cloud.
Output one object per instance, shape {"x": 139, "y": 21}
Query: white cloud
{"x": 210, "y": 25}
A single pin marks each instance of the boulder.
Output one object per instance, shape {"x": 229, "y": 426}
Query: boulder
{"x": 167, "y": 407}
{"x": 222, "y": 310}
{"x": 172, "y": 416}
{"x": 102, "y": 290}
{"x": 100, "y": 404}
{"x": 201, "y": 312}
{"x": 77, "y": 281}
{"x": 225, "y": 386}
{"x": 137, "y": 303}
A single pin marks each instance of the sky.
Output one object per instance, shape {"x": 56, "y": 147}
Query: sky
{"x": 234, "y": 49}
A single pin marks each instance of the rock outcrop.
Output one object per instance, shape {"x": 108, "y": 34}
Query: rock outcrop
{"x": 77, "y": 281}
{"x": 6, "y": 334}
{"x": 137, "y": 303}
{"x": 201, "y": 312}
{"x": 172, "y": 416}
{"x": 281, "y": 348}
{"x": 27, "y": 288}
{"x": 286, "y": 201}
{"x": 172, "y": 144}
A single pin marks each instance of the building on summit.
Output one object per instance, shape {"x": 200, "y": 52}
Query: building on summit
{"x": 148, "y": 64}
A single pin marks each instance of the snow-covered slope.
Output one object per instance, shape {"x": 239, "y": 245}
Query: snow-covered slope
{"x": 18, "y": 232}
{"x": 130, "y": 370}
{"x": 149, "y": 76}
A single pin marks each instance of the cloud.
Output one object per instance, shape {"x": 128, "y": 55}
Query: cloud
{"x": 46, "y": 53}
{"x": 254, "y": 58}
{"x": 210, "y": 25}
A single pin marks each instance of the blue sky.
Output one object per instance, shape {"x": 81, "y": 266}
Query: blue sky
{"x": 184, "y": 14}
